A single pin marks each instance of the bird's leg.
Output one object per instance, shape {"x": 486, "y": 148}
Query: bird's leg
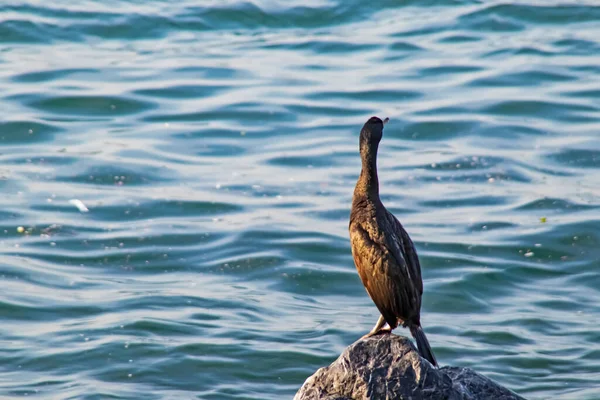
{"x": 377, "y": 328}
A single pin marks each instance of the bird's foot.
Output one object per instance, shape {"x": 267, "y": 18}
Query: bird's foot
{"x": 377, "y": 332}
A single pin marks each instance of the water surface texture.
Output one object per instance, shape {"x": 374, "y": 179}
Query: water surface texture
{"x": 215, "y": 144}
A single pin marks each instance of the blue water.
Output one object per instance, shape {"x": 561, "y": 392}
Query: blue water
{"x": 215, "y": 145}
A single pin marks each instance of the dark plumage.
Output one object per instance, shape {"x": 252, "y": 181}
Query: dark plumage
{"x": 384, "y": 255}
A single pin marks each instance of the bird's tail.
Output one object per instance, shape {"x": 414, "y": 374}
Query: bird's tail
{"x": 423, "y": 344}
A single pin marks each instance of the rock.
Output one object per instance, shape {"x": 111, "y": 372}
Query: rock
{"x": 388, "y": 367}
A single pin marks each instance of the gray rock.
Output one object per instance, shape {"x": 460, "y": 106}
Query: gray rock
{"x": 388, "y": 367}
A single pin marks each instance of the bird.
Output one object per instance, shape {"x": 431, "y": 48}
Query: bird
{"x": 384, "y": 255}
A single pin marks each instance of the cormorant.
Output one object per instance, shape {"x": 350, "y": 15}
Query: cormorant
{"x": 384, "y": 254}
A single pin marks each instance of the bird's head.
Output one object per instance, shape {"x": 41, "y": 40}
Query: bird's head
{"x": 372, "y": 131}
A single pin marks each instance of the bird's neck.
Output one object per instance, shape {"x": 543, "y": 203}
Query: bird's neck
{"x": 368, "y": 182}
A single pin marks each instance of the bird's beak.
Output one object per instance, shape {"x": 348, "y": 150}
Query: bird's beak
{"x": 385, "y": 121}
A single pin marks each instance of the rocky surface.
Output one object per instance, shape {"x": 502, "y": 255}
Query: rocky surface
{"x": 388, "y": 367}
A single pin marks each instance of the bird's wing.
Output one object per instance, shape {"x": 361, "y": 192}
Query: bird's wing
{"x": 406, "y": 249}
{"x": 384, "y": 275}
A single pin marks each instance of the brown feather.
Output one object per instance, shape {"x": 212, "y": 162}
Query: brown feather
{"x": 385, "y": 275}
